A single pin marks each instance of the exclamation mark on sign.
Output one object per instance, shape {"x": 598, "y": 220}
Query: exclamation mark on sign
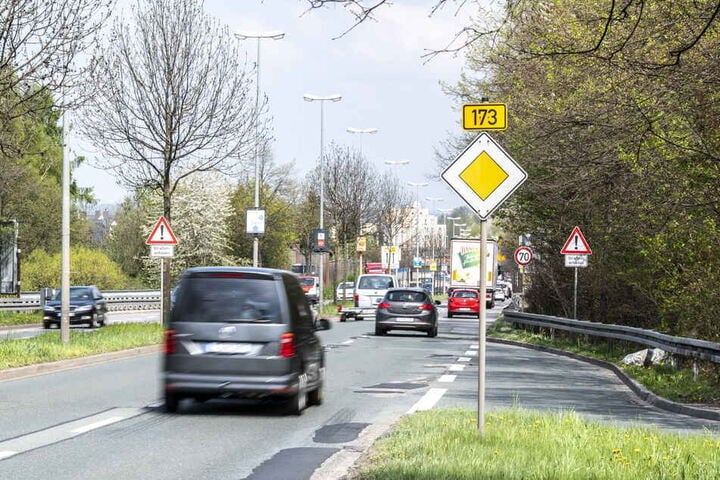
{"x": 576, "y": 242}
{"x": 162, "y": 233}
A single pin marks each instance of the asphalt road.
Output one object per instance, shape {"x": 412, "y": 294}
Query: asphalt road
{"x": 105, "y": 421}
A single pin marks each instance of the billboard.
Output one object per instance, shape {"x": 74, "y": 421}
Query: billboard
{"x": 8, "y": 257}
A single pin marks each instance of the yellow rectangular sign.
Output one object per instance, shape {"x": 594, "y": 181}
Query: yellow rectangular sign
{"x": 484, "y": 116}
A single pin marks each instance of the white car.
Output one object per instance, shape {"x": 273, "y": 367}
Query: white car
{"x": 499, "y": 294}
{"x": 344, "y": 290}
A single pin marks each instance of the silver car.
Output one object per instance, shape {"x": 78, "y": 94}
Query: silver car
{"x": 407, "y": 309}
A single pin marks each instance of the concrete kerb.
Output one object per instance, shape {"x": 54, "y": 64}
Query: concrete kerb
{"x": 639, "y": 390}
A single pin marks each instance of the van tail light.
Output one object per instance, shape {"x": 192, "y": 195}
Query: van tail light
{"x": 356, "y": 299}
{"x": 287, "y": 345}
{"x": 170, "y": 342}
{"x": 383, "y": 305}
{"x": 426, "y": 306}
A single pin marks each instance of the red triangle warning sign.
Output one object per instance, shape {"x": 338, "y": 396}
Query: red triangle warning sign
{"x": 576, "y": 244}
{"x": 161, "y": 234}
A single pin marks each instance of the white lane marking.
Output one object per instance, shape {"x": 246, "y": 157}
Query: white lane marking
{"x": 474, "y": 346}
{"x": 463, "y": 359}
{"x": 51, "y": 435}
{"x": 471, "y": 353}
{"x": 428, "y": 400}
{"x": 93, "y": 426}
{"x": 348, "y": 342}
{"x": 447, "y": 378}
{"x": 456, "y": 368}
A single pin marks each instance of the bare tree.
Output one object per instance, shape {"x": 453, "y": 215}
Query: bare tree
{"x": 174, "y": 99}
{"x": 40, "y": 41}
{"x": 391, "y": 209}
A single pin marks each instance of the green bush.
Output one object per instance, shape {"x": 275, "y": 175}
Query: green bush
{"x": 87, "y": 267}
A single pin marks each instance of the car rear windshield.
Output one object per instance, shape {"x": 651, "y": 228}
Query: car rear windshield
{"x": 371, "y": 282}
{"x": 307, "y": 281}
{"x": 406, "y": 296}
{"x": 227, "y": 297}
{"x": 465, "y": 294}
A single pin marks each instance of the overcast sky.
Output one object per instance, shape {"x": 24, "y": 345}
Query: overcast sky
{"x": 378, "y": 70}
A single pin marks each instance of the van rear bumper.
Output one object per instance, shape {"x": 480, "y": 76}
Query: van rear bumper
{"x": 242, "y": 386}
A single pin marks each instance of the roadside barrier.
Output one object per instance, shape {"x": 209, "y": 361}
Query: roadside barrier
{"x": 682, "y": 346}
{"x": 117, "y": 300}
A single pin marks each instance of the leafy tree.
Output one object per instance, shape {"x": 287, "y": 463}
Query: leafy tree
{"x": 125, "y": 243}
{"x": 87, "y": 267}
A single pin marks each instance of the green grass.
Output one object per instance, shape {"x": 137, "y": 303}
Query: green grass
{"x": 519, "y": 444}
{"x": 48, "y": 347}
{"x": 14, "y": 318}
{"x": 676, "y": 384}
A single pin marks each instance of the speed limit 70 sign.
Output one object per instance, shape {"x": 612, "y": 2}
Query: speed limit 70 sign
{"x": 523, "y": 255}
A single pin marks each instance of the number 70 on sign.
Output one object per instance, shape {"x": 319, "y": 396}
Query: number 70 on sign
{"x": 484, "y": 116}
{"x": 523, "y": 256}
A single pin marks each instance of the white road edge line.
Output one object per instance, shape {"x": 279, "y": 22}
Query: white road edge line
{"x": 447, "y": 378}
{"x": 7, "y": 454}
{"x": 93, "y": 426}
{"x": 428, "y": 400}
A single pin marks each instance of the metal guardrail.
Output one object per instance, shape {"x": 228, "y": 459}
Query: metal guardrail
{"x": 688, "y": 347}
{"x": 117, "y": 300}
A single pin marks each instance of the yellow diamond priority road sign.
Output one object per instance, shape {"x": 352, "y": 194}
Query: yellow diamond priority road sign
{"x": 484, "y": 175}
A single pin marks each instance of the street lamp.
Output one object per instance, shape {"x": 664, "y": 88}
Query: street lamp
{"x": 274, "y": 35}
{"x": 434, "y": 236}
{"x": 360, "y": 131}
{"x": 322, "y": 99}
{"x": 397, "y": 162}
{"x": 417, "y": 186}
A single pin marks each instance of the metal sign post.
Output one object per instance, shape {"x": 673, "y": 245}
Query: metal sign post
{"x": 481, "y": 326}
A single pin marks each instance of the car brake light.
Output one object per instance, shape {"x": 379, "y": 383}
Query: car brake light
{"x": 356, "y": 299}
{"x": 170, "y": 342}
{"x": 426, "y": 306}
{"x": 383, "y": 305}
{"x": 287, "y": 345}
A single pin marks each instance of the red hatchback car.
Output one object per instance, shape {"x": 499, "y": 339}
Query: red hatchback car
{"x": 463, "y": 302}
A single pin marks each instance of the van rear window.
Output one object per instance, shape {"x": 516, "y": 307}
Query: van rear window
{"x": 226, "y": 298}
{"x": 372, "y": 282}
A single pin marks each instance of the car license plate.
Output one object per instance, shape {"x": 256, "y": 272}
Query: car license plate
{"x": 464, "y": 309}
{"x": 228, "y": 348}
{"x": 405, "y": 320}
{"x": 376, "y": 300}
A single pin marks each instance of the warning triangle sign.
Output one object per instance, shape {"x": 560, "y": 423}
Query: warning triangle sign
{"x": 576, "y": 244}
{"x": 161, "y": 234}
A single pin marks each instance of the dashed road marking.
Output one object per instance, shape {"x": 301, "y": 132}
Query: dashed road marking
{"x": 428, "y": 400}
{"x": 43, "y": 438}
{"x": 447, "y": 378}
{"x": 456, "y": 368}
{"x": 471, "y": 353}
{"x": 463, "y": 359}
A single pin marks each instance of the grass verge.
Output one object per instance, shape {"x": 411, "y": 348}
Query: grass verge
{"x": 15, "y": 318}
{"x": 48, "y": 347}
{"x": 521, "y": 444}
{"x": 676, "y": 384}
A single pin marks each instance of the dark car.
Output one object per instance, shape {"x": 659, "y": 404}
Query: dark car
{"x": 407, "y": 309}
{"x": 87, "y": 306}
{"x": 463, "y": 302}
{"x": 245, "y": 333}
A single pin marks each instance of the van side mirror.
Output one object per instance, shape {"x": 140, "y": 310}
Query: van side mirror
{"x": 322, "y": 324}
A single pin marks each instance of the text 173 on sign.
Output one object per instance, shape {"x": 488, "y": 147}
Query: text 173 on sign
{"x": 484, "y": 116}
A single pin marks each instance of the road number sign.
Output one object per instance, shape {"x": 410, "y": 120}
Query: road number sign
{"x": 523, "y": 256}
{"x": 484, "y": 116}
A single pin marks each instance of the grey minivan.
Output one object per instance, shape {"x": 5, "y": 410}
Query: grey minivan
{"x": 243, "y": 332}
